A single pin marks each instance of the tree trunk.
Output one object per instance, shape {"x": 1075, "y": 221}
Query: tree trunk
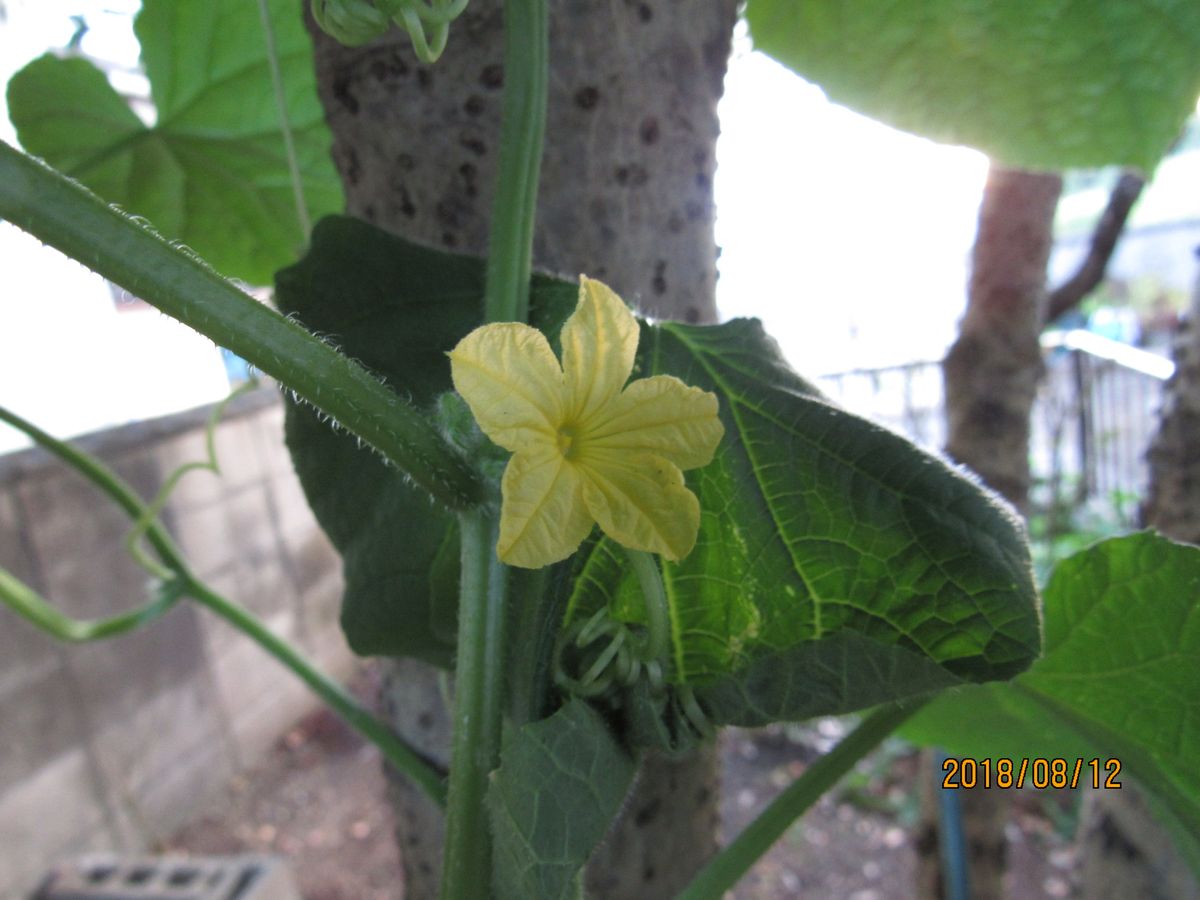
{"x": 1126, "y": 853}
{"x": 992, "y": 371}
{"x": 1172, "y": 502}
{"x": 626, "y": 196}
{"x": 991, "y": 376}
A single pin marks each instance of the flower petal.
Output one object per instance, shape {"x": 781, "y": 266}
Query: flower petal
{"x": 543, "y": 518}
{"x": 509, "y": 377}
{"x": 641, "y": 502}
{"x": 599, "y": 342}
{"x": 664, "y": 416}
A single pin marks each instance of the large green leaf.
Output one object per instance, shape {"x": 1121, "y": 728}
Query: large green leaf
{"x": 559, "y": 785}
{"x": 212, "y": 171}
{"x": 397, "y": 308}
{"x": 817, "y": 525}
{"x": 1120, "y": 677}
{"x": 1043, "y": 83}
{"x": 831, "y": 552}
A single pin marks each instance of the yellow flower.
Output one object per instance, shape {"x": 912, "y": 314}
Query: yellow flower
{"x": 584, "y": 450}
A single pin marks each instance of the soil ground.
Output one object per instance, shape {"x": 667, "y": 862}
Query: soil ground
{"x": 318, "y": 801}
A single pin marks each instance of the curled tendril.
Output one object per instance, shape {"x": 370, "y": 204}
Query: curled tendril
{"x": 614, "y": 655}
{"x": 354, "y": 22}
{"x": 609, "y": 653}
{"x": 133, "y": 540}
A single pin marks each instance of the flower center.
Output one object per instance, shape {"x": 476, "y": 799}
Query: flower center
{"x": 568, "y": 443}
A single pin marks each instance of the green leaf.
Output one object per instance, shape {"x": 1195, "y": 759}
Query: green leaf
{"x": 559, "y": 785}
{"x": 817, "y": 526}
{"x": 397, "y": 308}
{"x": 1119, "y": 677}
{"x": 845, "y": 671}
{"x": 212, "y": 172}
{"x": 381, "y": 302}
{"x": 1043, "y": 84}
{"x": 833, "y": 557}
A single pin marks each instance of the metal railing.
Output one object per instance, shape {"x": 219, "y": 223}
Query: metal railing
{"x": 1094, "y": 417}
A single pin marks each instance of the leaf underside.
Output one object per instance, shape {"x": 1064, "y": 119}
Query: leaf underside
{"x": 1047, "y": 84}
{"x": 212, "y": 171}
{"x": 833, "y": 555}
{"x": 817, "y": 524}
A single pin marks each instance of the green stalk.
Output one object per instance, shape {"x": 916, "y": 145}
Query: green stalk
{"x": 479, "y": 693}
{"x": 510, "y": 248}
{"x": 28, "y": 604}
{"x": 107, "y": 481}
{"x": 483, "y": 602}
{"x": 537, "y": 618}
{"x": 33, "y": 608}
{"x": 728, "y": 866}
{"x": 67, "y": 216}
{"x": 394, "y": 750}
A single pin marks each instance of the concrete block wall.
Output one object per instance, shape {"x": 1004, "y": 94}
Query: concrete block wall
{"x": 112, "y": 745}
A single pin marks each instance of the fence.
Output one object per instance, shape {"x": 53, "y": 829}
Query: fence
{"x": 1095, "y": 414}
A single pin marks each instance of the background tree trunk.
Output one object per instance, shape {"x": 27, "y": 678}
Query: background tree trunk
{"x": 626, "y": 196}
{"x": 1126, "y": 853}
{"x": 1172, "y": 502}
{"x": 992, "y": 371}
{"x": 991, "y": 376}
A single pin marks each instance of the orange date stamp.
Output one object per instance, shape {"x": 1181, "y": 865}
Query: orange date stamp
{"x": 965, "y": 773}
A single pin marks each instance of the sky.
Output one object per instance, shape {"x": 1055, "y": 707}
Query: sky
{"x": 849, "y": 239}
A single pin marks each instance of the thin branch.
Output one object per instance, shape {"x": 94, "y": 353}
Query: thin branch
{"x": 1104, "y": 240}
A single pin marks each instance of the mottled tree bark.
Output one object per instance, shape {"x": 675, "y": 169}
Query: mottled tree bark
{"x": 1172, "y": 502}
{"x": 626, "y": 196}
{"x": 992, "y": 370}
{"x": 991, "y": 377}
{"x": 1126, "y": 853}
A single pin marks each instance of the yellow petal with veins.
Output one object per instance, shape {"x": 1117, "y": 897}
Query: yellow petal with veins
{"x": 660, "y": 415}
{"x": 510, "y": 378}
{"x": 641, "y": 502}
{"x": 599, "y": 342}
{"x": 544, "y": 517}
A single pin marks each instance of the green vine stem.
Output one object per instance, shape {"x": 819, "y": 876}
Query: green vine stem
{"x": 33, "y": 608}
{"x": 67, "y": 216}
{"x": 522, "y": 129}
{"x": 479, "y": 693}
{"x": 133, "y": 540}
{"x": 728, "y": 866}
{"x": 394, "y": 750}
{"x": 483, "y": 602}
{"x": 28, "y": 604}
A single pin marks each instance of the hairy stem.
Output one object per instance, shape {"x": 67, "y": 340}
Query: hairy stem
{"x": 510, "y": 247}
{"x": 478, "y": 703}
{"x": 67, "y": 216}
{"x": 481, "y": 688}
{"x": 728, "y": 866}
